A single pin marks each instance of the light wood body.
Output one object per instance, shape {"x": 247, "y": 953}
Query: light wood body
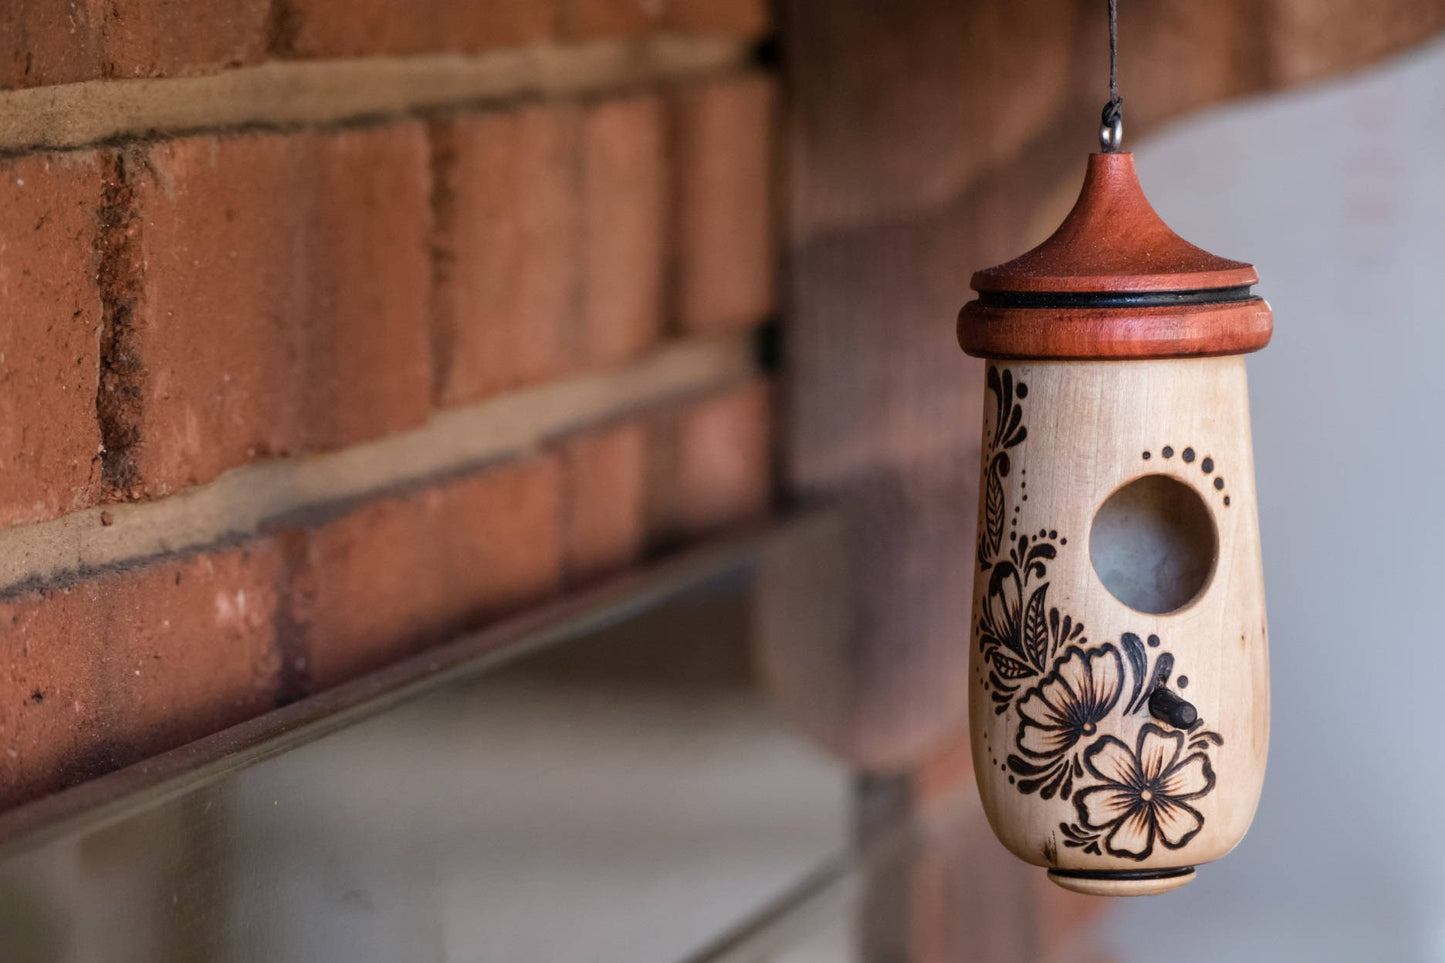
{"x": 1086, "y": 427}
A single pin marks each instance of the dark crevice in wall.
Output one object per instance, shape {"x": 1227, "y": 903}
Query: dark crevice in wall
{"x": 768, "y": 346}
{"x": 670, "y": 295}
{"x": 442, "y": 141}
{"x": 767, "y": 53}
{"x": 119, "y": 395}
{"x": 283, "y": 26}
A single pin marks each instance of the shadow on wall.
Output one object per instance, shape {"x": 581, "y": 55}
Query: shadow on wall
{"x": 1335, "y": 194}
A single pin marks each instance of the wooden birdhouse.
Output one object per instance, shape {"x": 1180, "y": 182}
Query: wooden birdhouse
{"x": 1119, "y": 664}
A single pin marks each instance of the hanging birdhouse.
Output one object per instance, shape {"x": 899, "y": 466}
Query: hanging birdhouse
{"x": 1119, "y": 670}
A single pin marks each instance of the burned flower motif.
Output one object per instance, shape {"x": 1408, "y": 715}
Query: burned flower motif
{"x": 1070, "y": 702}
{"x": 1060, "y": 713}
{"x": 1143, "y": 794}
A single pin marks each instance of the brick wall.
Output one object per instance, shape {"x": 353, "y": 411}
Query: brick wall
{"x": 329, "y": 329}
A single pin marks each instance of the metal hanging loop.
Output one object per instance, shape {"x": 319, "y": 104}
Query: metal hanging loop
{"x": 1111, "y": 131}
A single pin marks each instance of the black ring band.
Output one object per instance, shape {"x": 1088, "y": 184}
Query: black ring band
{"x": 1114, "y": 299}
{"x": 1124, "y": 874}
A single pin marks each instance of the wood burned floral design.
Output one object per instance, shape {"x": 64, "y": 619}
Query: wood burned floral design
{"x": 1066, "y": 694}
{"x": 1143, "y": 794}
{"x": 1062, "y": 711}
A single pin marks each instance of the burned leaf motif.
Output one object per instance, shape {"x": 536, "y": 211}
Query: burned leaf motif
{"x": 991, "y": 538}
{"x": 1011, "y": 669}
{"x": 1036, "y": 628}
{"x": 1007, "y": 432}
{"x": 1139, "y": 662}
{"x": 1008, "y": 429}
{"x": 1013, "y": 629}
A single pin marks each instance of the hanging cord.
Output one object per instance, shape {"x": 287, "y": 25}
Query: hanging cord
{"x": 1111, "y": 133}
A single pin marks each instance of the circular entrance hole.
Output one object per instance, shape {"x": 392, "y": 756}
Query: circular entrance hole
{"x": 1153, "y": 544}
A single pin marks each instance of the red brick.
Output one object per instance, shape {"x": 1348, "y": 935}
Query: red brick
{"x": 625, "y": 187}
{"x": 191, "y": 645}
{"x": 1064, "y": 922}
{"x": 284, "y": 300}
{"x": 168, "y": 38}
{"x": 724, "y": 457}
{"x": 970, "y": 898}
{"x": 725, "y": 213}
{"x": 64, "y": 41}
{"x": 738, "y": 17}
{"x": 710, "y": 463}
{"x": 506, "y": 280}
{"x": 49, "y": 41}
{"x": 1309, "y": 40}
{"x": 947, "y": 771}
{"x": 603, "y": 500}
{"x": 50, "y": 709}
{"x": 366, "y": 270}
{"x": 121, "y": 667}
{"x": 217, "y": 330}
{"x": 355, "y": 28}
{"x": 928, "y": 910}
{"x": 50, "y": 317}
{"x": 397, "y": 574}
{"x": 591, "y": 19}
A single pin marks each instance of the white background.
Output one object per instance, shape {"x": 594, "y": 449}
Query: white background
{"x": 1337, "y": 195}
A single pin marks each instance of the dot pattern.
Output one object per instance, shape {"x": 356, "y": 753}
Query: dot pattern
{"x": 1188, "y": 455}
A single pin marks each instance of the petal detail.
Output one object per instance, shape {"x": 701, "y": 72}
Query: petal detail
{"x": 1072, "y": 676}
{"x": 1106, "y": 681}
{"x": 1177, "y": 822}
{"x": 1190, "y": 779}
{"x": 1101, "y": 806}
{"x": 1044, "y": 741}
{"x": 1158, "y": 751}
{"x": 1040, "y": 710}
{"x": 1111, "y": 761}
{"x": 1134, "y": 834}
{"x": 1003, "y": 615}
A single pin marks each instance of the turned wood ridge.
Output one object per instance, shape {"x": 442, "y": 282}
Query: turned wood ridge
{"x": 1119, "y": 675}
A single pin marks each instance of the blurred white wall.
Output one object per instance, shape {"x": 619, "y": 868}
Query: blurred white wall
{"x": 1337, "y": 194}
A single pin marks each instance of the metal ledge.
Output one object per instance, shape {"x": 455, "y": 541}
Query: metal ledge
{"x": 113, "y": 797}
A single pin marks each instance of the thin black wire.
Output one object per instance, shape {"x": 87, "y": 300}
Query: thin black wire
{"x": 1114, "y": 109}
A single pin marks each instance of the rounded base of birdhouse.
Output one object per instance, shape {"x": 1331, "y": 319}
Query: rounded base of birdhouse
{"x": 1123, "y": 882}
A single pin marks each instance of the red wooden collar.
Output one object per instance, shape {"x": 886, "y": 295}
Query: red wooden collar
{"x": 1114, "y": 282}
